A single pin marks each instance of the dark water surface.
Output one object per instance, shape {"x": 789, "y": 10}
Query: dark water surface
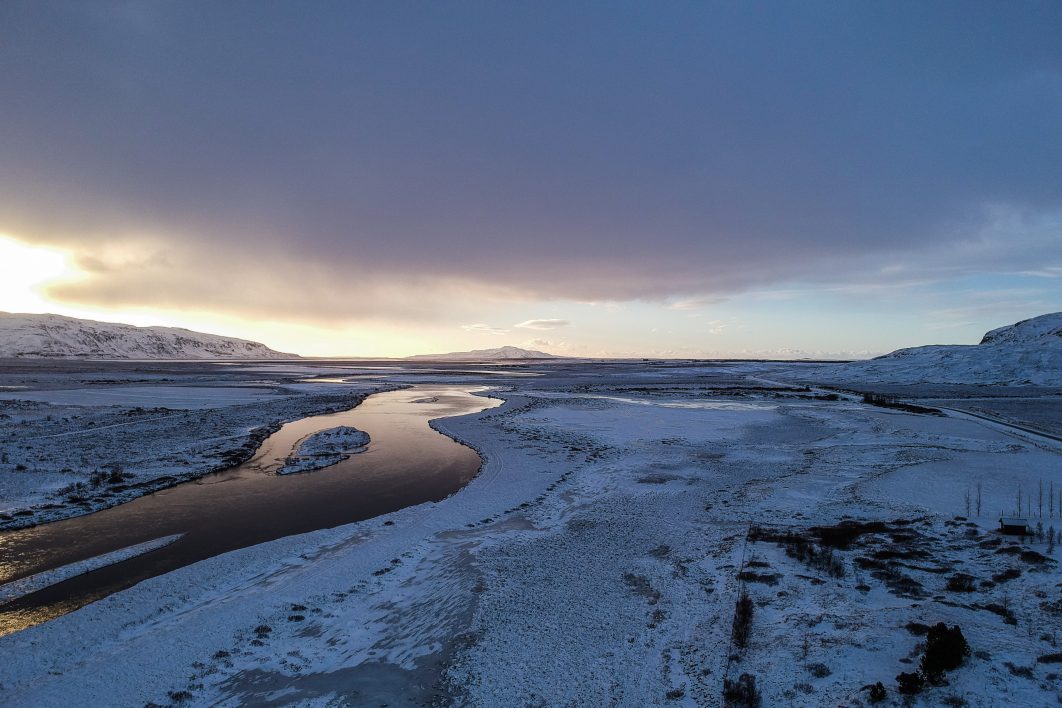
{"x": 406, "y": 463}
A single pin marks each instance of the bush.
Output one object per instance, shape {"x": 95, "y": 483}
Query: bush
{"x": 115, "y": 472}
{"x": 750, "y": 576}
{"x": 877, "y": 693}
{"x": 815, "y": 556}
{"x": 961, "y": 582}
{"x": 743, "y": 610}
{"x": 741, "y": 693}
{"x": 946, "y": 649}
{"x": 911, "y": 683}
{"x": 1023, "y": 671}
{"x": 1008, "y": 574}
{"x": 818, "y": 670}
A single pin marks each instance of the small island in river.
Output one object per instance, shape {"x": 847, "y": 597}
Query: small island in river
{"x": 325, "y": 448}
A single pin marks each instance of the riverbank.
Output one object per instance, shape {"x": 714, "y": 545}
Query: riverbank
{"x": 59, "y": 460}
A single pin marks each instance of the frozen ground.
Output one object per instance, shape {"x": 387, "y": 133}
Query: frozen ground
{"x": 597, "y": 559}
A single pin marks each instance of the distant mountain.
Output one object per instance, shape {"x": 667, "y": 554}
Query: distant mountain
{"x": 1027, "y": 352}
{"x": 499, "y": 354}
{"x": 56, "y": 336}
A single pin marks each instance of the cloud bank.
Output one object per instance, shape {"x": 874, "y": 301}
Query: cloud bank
{"x": 404, "y": 162}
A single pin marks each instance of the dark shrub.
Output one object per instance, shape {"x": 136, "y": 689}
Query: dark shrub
{"x": 742, "y": 620}
{"x": 818, "y": 670}
{"x": 910, "y": 683}
{"x": 946, "y": 649}
{"x": 877, "y": 693}
{"x": 961, "y": 582}
{"x": 114, "y": 472}
{"x": 1000, "y": 610}
{"x": 1033, "y": 557}
{"x": 814, "y": 556}
{"x": 844, "y": 533}
{"x": 741, "y": 693}
{"x": 1023, "y": 671}
{"x": 750, "y": 576}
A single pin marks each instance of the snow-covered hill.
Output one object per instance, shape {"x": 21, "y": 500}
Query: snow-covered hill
{"x": 56, "y": 336}
{"x": 1029, "y": 352}
{"x": 498, "y": 354}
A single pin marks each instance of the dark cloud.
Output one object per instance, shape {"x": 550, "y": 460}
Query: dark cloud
{"x": 590, "y": 151}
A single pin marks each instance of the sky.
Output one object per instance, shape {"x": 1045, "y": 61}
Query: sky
{"x": 680, "y": 179}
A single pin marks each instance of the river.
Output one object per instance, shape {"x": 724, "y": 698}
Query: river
{"x": 406, "y": 463}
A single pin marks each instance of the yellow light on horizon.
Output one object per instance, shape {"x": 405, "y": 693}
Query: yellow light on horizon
{"x": 26, "y": 271}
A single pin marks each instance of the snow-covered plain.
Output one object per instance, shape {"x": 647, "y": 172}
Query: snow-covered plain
{"x": 597, "y": 558}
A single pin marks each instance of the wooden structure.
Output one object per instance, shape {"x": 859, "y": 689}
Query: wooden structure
{"x": 1016, "y": 525}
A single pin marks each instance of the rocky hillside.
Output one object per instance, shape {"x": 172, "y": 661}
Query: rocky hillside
{"x": 1029, "y": 352}
{"x": 56, "y": 336}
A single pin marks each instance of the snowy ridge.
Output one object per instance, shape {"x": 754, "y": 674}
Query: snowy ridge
{"x": 1045, "y": 328}
{"x": 48, "y": 336}
{"x": 499, "y": 353}
{"x": 1028, "y": 352}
